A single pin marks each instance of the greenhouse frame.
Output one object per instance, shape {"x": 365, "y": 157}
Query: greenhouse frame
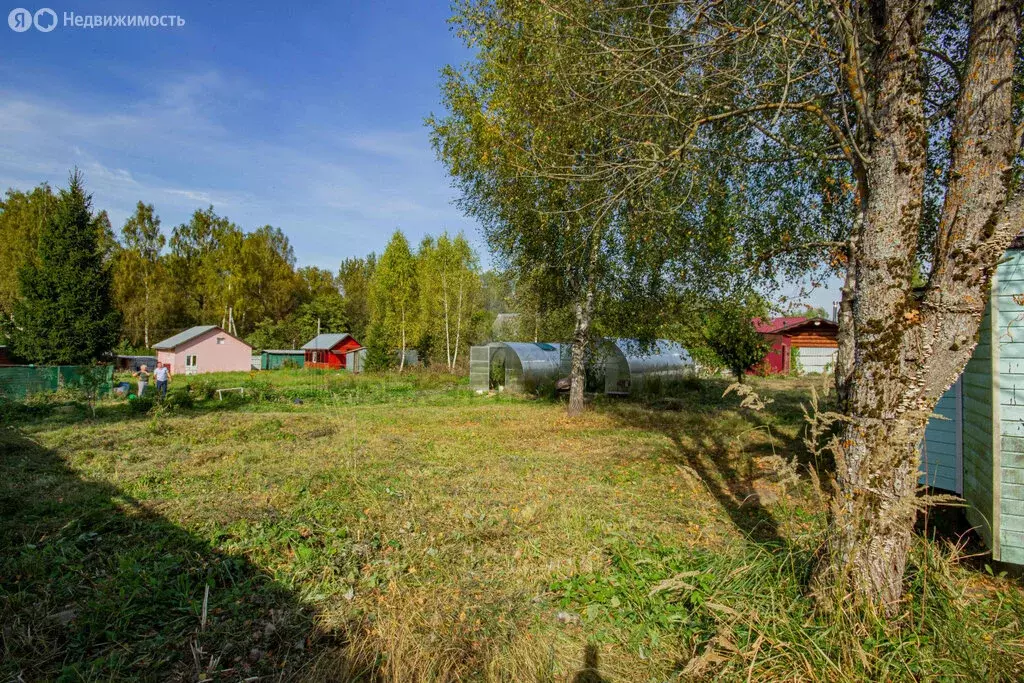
{"x": 629, "y": 366}
{"x": 617, "y": 367}
{"x": 523, "y": 366}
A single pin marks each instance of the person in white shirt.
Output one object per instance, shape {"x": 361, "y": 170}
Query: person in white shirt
{"x": 162, "y": 374}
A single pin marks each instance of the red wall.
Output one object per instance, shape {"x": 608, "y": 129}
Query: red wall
{"x": 335, "y": 358}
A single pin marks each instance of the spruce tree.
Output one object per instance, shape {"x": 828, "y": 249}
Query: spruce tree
{"x": 66, "y": 315}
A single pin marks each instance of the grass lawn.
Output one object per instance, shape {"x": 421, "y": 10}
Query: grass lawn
{"x": 400, "y": 528}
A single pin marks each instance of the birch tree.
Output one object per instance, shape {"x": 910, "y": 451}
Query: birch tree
{"x": 143, "y": 242}
{"x": 449, "y": 284}
{"x": 900, "y": 119}
{"x": 393, "y": 296}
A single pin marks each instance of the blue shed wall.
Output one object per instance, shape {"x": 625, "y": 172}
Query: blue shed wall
{"x": 978, "y": 432}
{"x": 940, "y": 452}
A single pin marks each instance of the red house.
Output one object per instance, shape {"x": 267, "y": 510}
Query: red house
{"x": 327, "y": 351}
{"x": 813, "y": 340}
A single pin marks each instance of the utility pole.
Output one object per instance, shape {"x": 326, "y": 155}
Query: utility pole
{"x": 318, "y": 327}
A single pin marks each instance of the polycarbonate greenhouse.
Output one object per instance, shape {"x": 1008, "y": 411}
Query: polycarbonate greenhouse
{"x": 617, "y": 367}
{"x": 623, "y": 367}
{"x": 515, "y": 366}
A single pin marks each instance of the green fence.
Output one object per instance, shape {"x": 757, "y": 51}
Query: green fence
{"x": 20, "y": 382}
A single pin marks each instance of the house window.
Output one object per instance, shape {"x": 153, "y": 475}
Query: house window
{"x": 190, "y": 362}
{"x": 220, "y": 340}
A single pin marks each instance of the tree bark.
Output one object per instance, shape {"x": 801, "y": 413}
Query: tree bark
{"x": 900, "y": 351}
{"x": 401, "y": 361}
{"x": 580, "y": 344}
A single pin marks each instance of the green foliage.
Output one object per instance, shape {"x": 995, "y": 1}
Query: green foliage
{"x": 449, "y": 290}
{"x": 393, "y": 296}
{"x": 259, "y": 389}
{"x": 731, "y": 335}
{"x": 66, "y": 314}
{"x": 22, "y": 217}
{"x": 202, "y": 388}
{"x": 138, "y": 273}
{"x": 354, "y": 278}
{"x": 651, "y": 592}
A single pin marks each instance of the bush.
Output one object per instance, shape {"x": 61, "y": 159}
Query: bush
{"x": 202, "y": 389}
{"x": 140, "y": 406}
{"x": 732, "y": 337}
{"x": 179, "y": 399}
{"x": 260, "y": 389}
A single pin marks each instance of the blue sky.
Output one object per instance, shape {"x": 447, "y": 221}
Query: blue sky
{"x": 307, "y": 116}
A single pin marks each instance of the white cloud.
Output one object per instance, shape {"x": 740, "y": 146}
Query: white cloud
{"x": 334, "y": 193}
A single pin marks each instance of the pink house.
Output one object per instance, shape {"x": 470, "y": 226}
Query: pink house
{"x": 204, "y": 348}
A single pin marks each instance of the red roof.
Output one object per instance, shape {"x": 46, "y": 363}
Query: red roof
{"x": 785, "y": 323}
{"x": 776, "y": 324}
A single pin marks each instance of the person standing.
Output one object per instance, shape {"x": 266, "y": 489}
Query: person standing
{"x": 143, "y": 376}
{"x": 162, "y": 375}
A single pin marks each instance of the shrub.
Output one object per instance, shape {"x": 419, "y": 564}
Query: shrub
{"x": 260, "y": 389}
{"x": 140, "y": 406}
{"x": 179, "y": 399}
{"x": 731, "y": 335}
{"x": 201, "y": 388}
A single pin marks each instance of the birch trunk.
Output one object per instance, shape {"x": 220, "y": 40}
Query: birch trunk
{"x": 458, "y": 326}
{"x": 580, "y": 342}
{"x": 401, "y": 361}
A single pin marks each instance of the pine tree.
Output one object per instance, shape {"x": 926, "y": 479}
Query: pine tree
{"x": 66, "y": 315}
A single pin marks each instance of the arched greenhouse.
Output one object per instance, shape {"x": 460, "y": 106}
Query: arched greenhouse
{"x": 624, "y": 367}
{"x": 617, "y": 367}
{"x": 514, "y": 366}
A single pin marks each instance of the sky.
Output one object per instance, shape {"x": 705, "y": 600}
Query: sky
{"x": 307, "y": 116}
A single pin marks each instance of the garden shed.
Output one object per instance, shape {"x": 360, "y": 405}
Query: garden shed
{"x": 355, "y": 359}
{"x": 275, "y": 359}
{"x": 975, "y": 444}
{"x": 811, "y": 342}
{"x": 327, "y": 351}
{"x": 516, "y": 366}
{"x": 621, "y": 367}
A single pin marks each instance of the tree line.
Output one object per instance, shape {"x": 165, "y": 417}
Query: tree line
{"x": 72, "y": 288}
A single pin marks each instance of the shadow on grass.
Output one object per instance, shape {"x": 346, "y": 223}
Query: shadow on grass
{"x": 590, "y": 672}
{"x": 95, "y": 586}
{"x": 710, "y": 438}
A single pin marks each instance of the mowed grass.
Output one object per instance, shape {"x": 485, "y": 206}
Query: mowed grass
{"x": 401, "y": 528}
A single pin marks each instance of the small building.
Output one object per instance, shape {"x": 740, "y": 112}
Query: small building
{"x": 617, "y": 367}
{"x": 355, "y": 360}
{"x": 275, "y": 359}
{"x": 328, "y": 351}
{"x": 204, "y": 348}
{"x": 130, "y": 363}
{"x": 975, "y": 444}
{"x": 811, "y": 342}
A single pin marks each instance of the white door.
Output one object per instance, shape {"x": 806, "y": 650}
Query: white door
{"x": 816, "y": 360}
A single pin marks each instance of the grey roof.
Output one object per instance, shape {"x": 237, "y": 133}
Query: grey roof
{"x": 324, "y": 342}
{"x": 182, "y": 337}
{"x": 283, "y": 351}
